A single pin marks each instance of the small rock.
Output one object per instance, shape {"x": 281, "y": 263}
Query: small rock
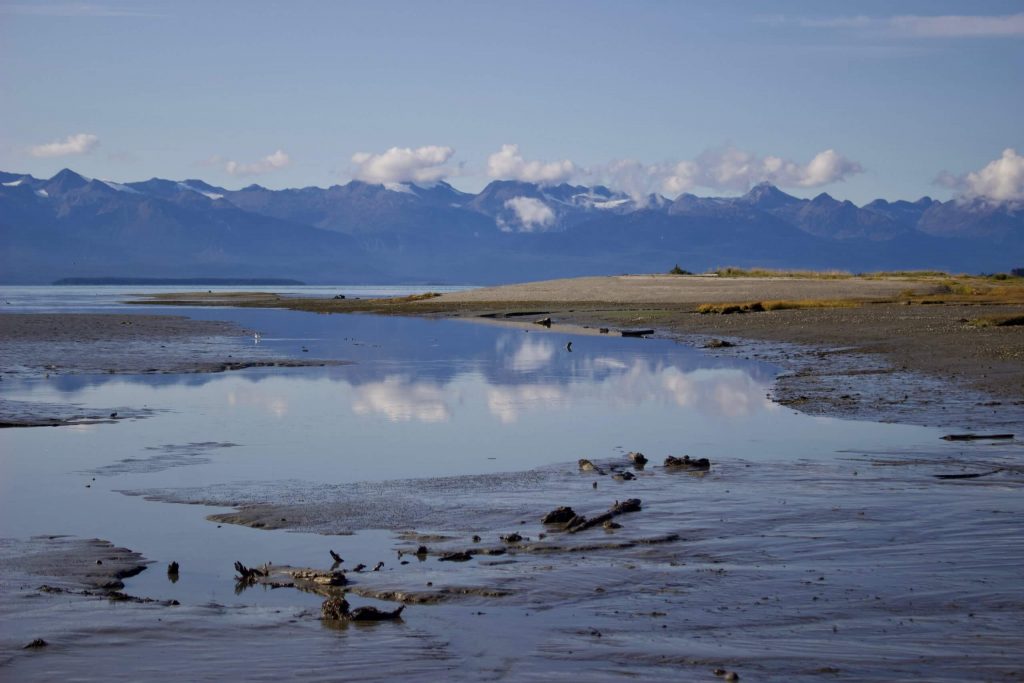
{"x": 334, "y": 609}
{"x": 624, "y": 476}
{"x": 38, "y": 642}
{"x": 688, "y": 463}
{"x": 560, "y": 515}
{"x": 512, "y": 538}
{"x": 638, "y": 459}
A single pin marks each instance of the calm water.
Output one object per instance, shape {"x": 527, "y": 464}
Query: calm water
{"x": 423, "y": 398}
{"x": 442, "y": 398}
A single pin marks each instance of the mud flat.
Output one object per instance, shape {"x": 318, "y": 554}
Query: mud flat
{"x": 871, "y": 566}
{"x": 41, "y": 345}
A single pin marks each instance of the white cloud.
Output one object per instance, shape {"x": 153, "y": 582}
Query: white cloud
{"x": 271, "y": 162}
{"x": 80, "y": 143}
{"x": 532, "y": 215}
{"x": 630, "y": 176}
{"x": 509, "y": 164}
{"x": 1001, "y": 180}
{"x": 423, "y": 165}
{"x": 943, "y": 26}
{"x": 826, "y": 167}
{"x": 724, "y": 169}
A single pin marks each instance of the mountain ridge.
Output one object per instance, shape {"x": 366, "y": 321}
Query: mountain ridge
{"x": 73, "y": 226}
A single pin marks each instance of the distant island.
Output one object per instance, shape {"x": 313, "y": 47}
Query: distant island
{"x": 219, "y": 281}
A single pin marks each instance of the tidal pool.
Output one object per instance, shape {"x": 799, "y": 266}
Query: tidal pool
{"x": 449, "y": 427}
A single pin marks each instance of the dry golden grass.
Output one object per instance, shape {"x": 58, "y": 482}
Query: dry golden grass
{"x": 969, "y": 290}
{"x": 732, "y": 271}
{"x": 778, "y": 305}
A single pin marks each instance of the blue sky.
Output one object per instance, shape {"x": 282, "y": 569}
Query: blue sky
{"x": 705, "y": 97}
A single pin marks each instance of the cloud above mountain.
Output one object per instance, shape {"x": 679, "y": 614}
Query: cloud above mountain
{"x": 423, "y": 165}
{"x": 269, "y": 163}
{"x": 1000, "y": 180}
{"x": 531, "y": 215}
{"x": 724, "y": 169}
{"x": 924, "y": 26}
{"x": 79, "y": 143}
{"x": 509, "y": 164}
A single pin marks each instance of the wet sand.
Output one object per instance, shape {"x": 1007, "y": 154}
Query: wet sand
{"x": 780, "y": 571}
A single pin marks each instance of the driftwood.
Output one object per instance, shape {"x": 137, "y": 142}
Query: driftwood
{"x": 374, "y": 614}
{"x": 463, "y": 556}
{"x": 546, "y": 322}
{"x": 971, "y": 475}
{"x": 336, "y": 557}
{"x": 581, "y": 523}
{"x": 635, "y": 333}
{"x": 520, "y": 314}
{"x": 975, "y": 437}
{"x": 250, "y": 573}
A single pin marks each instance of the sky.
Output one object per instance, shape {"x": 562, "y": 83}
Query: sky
{"x": 861, "y": 100}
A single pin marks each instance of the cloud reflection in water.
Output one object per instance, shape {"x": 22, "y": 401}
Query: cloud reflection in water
{"x": 722, "y": 392}
{"x": 401, "y": 399}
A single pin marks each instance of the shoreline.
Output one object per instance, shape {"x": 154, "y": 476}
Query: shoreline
{"x": 914, "y": 350}
{"x": 697, "y": 578}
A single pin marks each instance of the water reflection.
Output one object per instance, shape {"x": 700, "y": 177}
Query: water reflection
{"x": 399, "y": 378}
{"x": 401, "y": 399}
{"x": 276, "y": 406}
{"x": 727, "y": 393}
{"x": 532, "y": 354}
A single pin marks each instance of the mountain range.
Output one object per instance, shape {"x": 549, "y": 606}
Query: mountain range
{"x": 73, "y": 226}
